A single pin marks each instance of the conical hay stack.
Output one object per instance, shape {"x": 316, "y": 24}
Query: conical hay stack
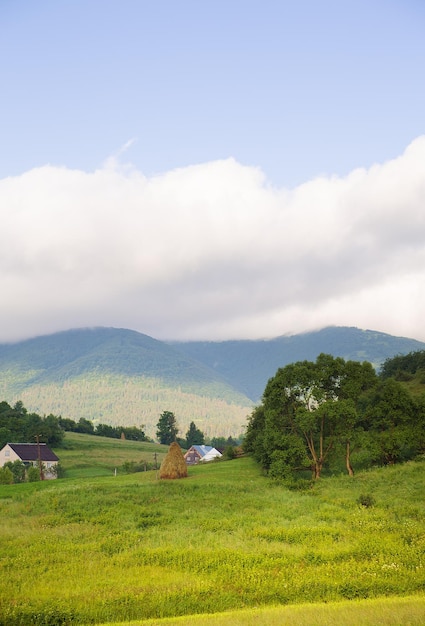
{"x": 173, "y": 465}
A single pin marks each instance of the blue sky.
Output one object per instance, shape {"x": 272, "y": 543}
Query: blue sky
{"x": 296, "y": 88}
{"x": 206, "y": 151}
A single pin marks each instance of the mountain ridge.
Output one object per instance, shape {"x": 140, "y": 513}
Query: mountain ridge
{"x": 259, "y": 359}
{"x": 123, "y": 377}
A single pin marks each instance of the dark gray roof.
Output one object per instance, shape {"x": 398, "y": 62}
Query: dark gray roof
{"x": 29, "y": 451}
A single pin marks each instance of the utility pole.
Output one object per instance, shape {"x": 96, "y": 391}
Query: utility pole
{"x": 40, "y": 464}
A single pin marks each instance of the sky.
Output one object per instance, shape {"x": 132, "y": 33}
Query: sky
{"x": 212, "y": 170}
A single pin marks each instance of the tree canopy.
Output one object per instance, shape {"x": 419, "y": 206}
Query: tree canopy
{"x": 167, "y": 429}
{"x": 194, "y": 436}
{"x": 18, "y": 425}
{"x": 314, "y": 413}
{"x": 401, "y": 365}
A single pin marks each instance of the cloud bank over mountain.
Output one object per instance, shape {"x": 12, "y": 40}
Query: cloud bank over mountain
{"x": 213, "y": 251}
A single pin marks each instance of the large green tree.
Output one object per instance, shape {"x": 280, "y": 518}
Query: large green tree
{"x": 194, "y": 436}
{"x": 308, "y": 408}
{"x": 167, "y": 428}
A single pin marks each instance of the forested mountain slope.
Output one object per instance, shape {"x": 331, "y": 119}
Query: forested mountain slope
{"x": 119, "y": 376}
{"x": 248, "y": 365}
{"x": 57, "y": 357}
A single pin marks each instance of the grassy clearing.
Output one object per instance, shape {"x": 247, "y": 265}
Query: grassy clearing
{"x": 111, "y": 549}
{"x": 88, "y": 456}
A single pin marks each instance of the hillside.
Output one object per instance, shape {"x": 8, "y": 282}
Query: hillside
{"x": 119, "y": 376}
{"x": 248, "y": 365}
{"x": 57, "y": 357}
{"x": 95, "y": 548}
{"x": 86, "y": 456}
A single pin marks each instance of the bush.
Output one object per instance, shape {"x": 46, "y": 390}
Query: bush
{"x": 6, "y": 476}
{"x": 58, "y": 470}
{"x": 33, "y": 474}
{"x": 229, "y": 453}
{"x": 18, "y": 470}
{"x": 366, "y": 500}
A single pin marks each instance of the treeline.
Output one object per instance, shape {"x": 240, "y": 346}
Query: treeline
{"x": 17, "y": 425}
{"x": 324, "y": 415}
{"x": 167, "y": 432}
{"x": 103, "y": 430}
{"x": 405, "y": 367}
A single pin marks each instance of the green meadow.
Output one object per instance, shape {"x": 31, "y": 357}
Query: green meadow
{"x": 88, "y": 456}
{"x": 224, "y": 546}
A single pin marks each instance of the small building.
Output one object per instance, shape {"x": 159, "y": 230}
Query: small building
{"x": 29, "y": 454}
{"x": 195, "y": 454}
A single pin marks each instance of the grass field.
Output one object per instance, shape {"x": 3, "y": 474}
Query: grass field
{"x": 86, "y": 456}
{"x": 383, "y": 612}
{"x": 224, "y": 546}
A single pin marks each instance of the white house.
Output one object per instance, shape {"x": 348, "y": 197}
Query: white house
{"x": 195, "y": 454}
{"x": 29, "y": 454}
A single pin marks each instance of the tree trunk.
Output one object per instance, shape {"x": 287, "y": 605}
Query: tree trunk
{"x": 317, "y": 469}
{"x": 347, "y": 460}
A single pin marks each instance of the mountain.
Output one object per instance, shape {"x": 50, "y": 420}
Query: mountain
{"x": 248, "y": 365}
{"x": 119, "y": 376}
{"x": 55, "y": 358}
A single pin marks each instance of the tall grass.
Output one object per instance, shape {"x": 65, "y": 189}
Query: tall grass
{"x": 409, "y": 611}
{"x": 131, "y": 547}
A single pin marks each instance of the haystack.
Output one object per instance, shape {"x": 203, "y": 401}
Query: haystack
{"x": 173, "y": 465}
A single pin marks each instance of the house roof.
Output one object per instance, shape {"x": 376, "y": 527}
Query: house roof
{"x": 212, "y": 454}
{"x": 206, "y": 451}
{"x": 202, "y": 450}
{"x": 29, "y": 451}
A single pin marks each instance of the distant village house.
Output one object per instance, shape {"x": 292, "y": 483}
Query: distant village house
{"x": 195, "y": 454}
{"x": 29, "y": 454}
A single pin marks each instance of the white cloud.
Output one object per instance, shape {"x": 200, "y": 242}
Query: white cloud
{"x": 213, "y": 251}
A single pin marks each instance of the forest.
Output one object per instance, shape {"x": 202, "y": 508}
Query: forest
{"x": 17, "y": 424}
{"x": 20, "y": 426}
{"x": 319, "y": 417}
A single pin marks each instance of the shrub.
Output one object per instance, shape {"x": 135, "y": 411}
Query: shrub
{"x": 6, "y": 476}
{"x": 229, "y": 453}
{"x": 58, "y": 470}
{"x": 366, "y": 500}
{"x": 33, "y": 474}
{"x": 18, "y": 470}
